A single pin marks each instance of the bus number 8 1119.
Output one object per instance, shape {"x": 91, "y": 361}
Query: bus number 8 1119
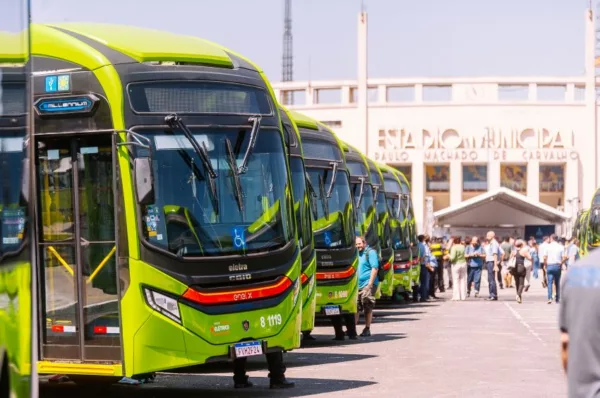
{"x": 272, "y": 320}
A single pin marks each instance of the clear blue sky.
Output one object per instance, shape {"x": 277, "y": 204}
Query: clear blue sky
{"x": 406, "y": 37}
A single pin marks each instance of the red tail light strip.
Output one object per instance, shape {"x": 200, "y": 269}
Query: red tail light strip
{"x": 387, "y": 266}
{"x": 336, "y": 274}
{"x": 303, "y": 279}
{"x": 234, "y": 296}
{"x": 402, "y": 266}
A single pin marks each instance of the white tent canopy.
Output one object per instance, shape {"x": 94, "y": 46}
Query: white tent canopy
{"x": 500, "y": 207}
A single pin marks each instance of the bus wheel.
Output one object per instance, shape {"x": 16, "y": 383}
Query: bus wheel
{"x": 4, "y": 381}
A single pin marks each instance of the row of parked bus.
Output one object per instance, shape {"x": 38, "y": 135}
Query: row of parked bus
{"x": 164, "y": 210}
{"x": 587, "y": 226}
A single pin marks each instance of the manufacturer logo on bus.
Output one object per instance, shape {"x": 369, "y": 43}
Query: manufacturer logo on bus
{"x": 81, "y": 104}
{"x": 240, "y": 277}
{"x": 238, "y": 267}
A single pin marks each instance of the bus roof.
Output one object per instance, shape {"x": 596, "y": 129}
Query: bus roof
{"x": 139, "y": 44}
{"x": 14, "y": 48}
{"x": 284, "y": 111}
{"x": 304, "y": 121}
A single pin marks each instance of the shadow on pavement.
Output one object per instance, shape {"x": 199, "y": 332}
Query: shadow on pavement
{"x": 428, "y": 304}
{"x": 183, "y": 386}
{"x": 327, "y": 340}
{"x": 383, "y": 319}
{"x": 382, "y": 313}
{"x": 292, "y": 359}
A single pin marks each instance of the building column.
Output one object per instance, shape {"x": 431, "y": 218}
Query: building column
{"x": 455, "y": 182}
{"x": 533, "y": 180}
{"x": 362, "y": 134}
{"x": 572, "y": 194}
{"x": 493, "y": 170}
{"x": 418, "y": 192}
{"x": 590, "y": 157}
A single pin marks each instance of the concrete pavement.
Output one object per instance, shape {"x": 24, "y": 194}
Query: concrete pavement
{"x": 439, "y": 349}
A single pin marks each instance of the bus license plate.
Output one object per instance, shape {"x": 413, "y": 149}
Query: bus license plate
{"x": 248, "y": 349}
{"x": 332, "y": 310}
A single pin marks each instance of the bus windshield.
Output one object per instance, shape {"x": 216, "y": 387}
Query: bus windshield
{"x": 382, "y": 208}
{"x": 396, "y": 208}
{"x": 594, "y": 224}
{"x": 336, "y": 230}
{"x": 301, "y": 207}
{"x": 12, "y": 206}
{"x": 188, "y": 220}
{"x": 366, "y": 219}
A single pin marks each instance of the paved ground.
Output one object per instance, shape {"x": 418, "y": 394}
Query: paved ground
{"x": 439, "y": 349}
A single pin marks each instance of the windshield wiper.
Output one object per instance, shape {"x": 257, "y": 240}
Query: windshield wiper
{"x": 324, "y": 198}
{"x": 333, "y": 177}
{"x": 237, "y": 185}
{"x": 313, "y": 195}
{"x": 405, "y": 197}
{"x": 362, "y": 192}
{"x": 253, "y": 136}
{"x": 174, "y": 121}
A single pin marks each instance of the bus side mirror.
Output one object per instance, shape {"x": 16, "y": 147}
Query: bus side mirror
{"x": 144, "y": 181}
{"x": 25, "y": 181}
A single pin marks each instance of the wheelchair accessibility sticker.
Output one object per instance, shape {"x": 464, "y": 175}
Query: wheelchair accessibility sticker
{"x": 239, "y": 238}
{"x": 327, "y": 235}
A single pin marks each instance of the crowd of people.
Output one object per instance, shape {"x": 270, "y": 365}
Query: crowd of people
{"x": 457, "y": 263}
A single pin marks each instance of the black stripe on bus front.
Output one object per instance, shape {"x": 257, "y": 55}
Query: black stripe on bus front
{"x": 114, "y": 56}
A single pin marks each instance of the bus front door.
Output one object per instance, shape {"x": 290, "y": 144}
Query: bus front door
{"x": 77, "y": 249}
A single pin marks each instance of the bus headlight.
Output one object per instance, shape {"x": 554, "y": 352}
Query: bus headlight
{"x": 164, "y": 304}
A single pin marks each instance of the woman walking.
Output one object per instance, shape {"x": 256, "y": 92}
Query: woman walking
{"x": 519, "y": 271}
{"x": 458, "y": 263}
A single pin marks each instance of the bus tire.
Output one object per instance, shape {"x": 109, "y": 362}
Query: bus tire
{"x": 4, "y": 379}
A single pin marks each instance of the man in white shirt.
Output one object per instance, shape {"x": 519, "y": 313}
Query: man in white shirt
{"x": 554, "y": 258}
{"x": 492, "y": 257}
{"x": 542, "y": 256}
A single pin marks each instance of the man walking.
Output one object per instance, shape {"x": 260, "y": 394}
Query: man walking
{"x": 436, "y": 262}
{"x": 554, "y": 258}
{"x": 424, "y": 257}
{"x": 542, "y": 256}
{"x": 507, "y": 249}
{"x": 368, "y": 265}
{"x": 492, "y": 250}
{"x": 579, "y": 322}
{"x": 475, "y": 255}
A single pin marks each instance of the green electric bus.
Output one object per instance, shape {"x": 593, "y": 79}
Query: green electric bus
{"x": 305, "y": 208}
{"x": 403, "y": 259}
{"x": 580, "y": 230}
{"x": 366, "y": 222}
{"x": 383, "y": 228}
{"x": 15, "y": 255}
{"x": 165, "y": 205}
{"x": 409, "y": 226}
{"x": 593, "y": 224}
{"x": 333, "y": 227}
{"x": 410, "y": 213}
